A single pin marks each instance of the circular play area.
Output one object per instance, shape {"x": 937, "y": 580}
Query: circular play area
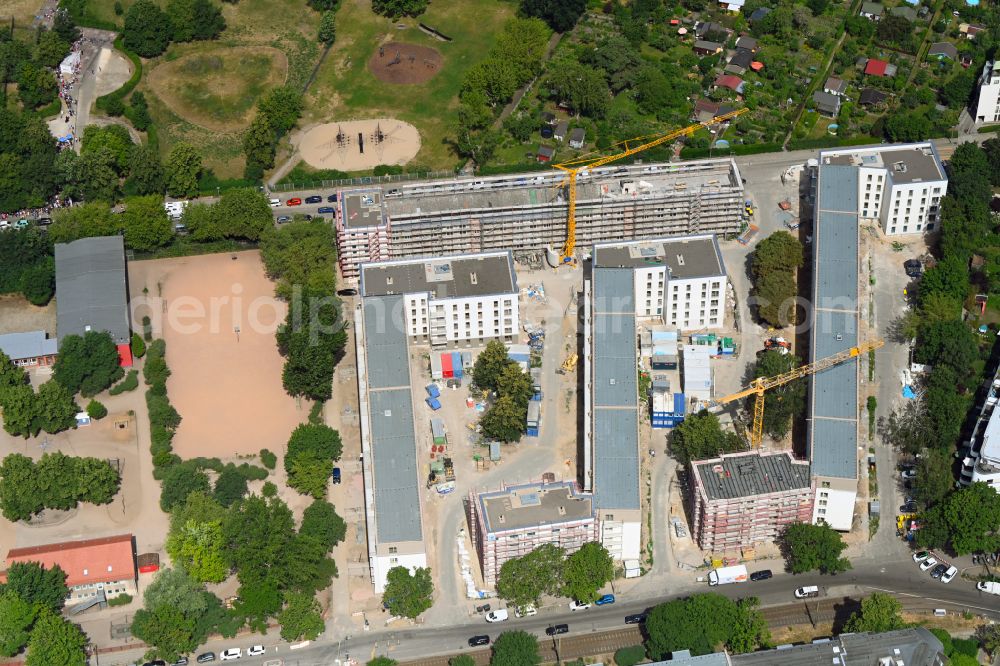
{"x": 359, "y": 145}
{"x": 399, "y": 62}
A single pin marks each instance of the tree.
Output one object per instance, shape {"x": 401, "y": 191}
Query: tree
{"x": 522, "y": 580}
{"x": 309, "y": 474}
{"x": 814, "y": 547}
{"x": 146, "y": 224}
{"x": 505, "y": 420}
{"x": 168, "y": 631}
{"x": 951, "y": 343}
{"x": 63, "y": 25}
{"x": 260, "y": 143}
{"x": 408, "y": 594}
{"x": 880, "y": 612}
{"x": 750, "y": 630}
{"x": 561, "y": 15}
{"x": 893, "y": 29}
{"x": 20, "y": 494}
{"x": 36, "y": 86}
{"x": 50, "y": 49}
{"x": 301, "y": 618}
{"x": 37, "y": 586}
{"x": 773, "y": 298}
{"x": 113, "y": 138}
{"x": 490, "y": 364}
{"x": 145, "y": 173}
{"x": 321, "y": 521}
{"x": 957, "y": 91}
{"x": 54, "y": 409}
{"x": 515, "y": 648}
{"x": 138, "y": 346}
{"x": 282, "y": 107}
{"x": 18, "y": 403}
{"x": 16, "y": 618}
{"x": 97, "y": 482}
{"x": 586, "y": 571}
{"x": 87, "y": 364}
{"x": 320, "y": 439}
{"x": 195, "y": 19}
{"x": 778, "y": 252}
{"x": 700, "y": 436}
{"x": 58, "y": 481}
{"x": 968, "y": 520}
{"x": 258, "y": 534}
{"x": 395, "y": 9}
{"x": 10, "y": 374}
{"x": 230, "y": 486}
{"x": 703, "y": 621}
{"x": 195, "y": 541}
{"x": 183, "y": 167}
{"x": 27, "y": 158}
{"x": 991, "y": 151}
{"x": 784, "y": 402}
{"x": 178, "y": 482}
{"x": 989, "y": 636}
{"x": 515, "y": 383}
{"x": 582, "y": 87}
{"x": 56, "y": 642}
{"x": 38, "y": 282}
{"x": 242, "y": 213}
{"x": 328, "y": 28}
{"x": 138, "y": 113}
{"x": 147, "y": 29}
{"x": 817, "y": 7}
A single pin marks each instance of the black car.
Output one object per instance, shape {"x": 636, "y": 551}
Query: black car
{"x": 909, "y": 507}
{"x": 635, "y": 618}
{"x": 476, "y": 641}
{"x": 326, "y": 210}
{"x": 313, "y": 199}
{"x": 939, "y": 570}
{"x": 44, "y": 221}
{"x": 347, "y": 292}
{"x": 181, "y": 661}
{"x": 554, "y": 630}
{"x": 764, "y": 574}
{"x": 913, "y": 268}
{"x": 205, "y": 657}
{"x": 157, "y": 662}
{"x": 332, "y": 198}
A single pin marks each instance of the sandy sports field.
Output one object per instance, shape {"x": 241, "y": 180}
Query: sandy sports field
{"x": 225, "y": 384}
{"x": 399, "y": 62}
{"x": 358, "y": 145}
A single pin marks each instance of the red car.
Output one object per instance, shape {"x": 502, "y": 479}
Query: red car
{"x": 294, "y": 202}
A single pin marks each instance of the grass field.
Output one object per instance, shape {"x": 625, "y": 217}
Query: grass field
{"x": 344, "y": 88}
{"x": 217, "y": 88}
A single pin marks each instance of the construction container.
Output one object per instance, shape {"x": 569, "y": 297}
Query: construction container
{"x": 494, "y": 451}
{"x": 433, "y": 390}
{"x": 467, "y": 360}
{"x": 436, "y": 367}
{"x": 456, "y": 364}
{"x": 668, "y": 410}
{"x": 534, "y": 420}
{"x": 447, "y": 371}
{"x": 437, "y": 431}
{"x": 727, "y": 346}
{"x": 148, "y": 562}
{"x": 519, "y": 353}
{"x": 433, "y": 403}
{"x": 697, "y": 372}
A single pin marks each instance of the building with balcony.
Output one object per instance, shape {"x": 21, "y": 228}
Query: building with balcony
{"x": 982, "y": 452}
{"x": 987, "y": 108}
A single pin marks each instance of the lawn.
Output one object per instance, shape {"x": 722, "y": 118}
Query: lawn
{"x": 345, "y": 89}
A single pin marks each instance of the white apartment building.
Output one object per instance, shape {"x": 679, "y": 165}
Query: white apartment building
{"x": 982, "y": 455}
{"x": 987, "y": 108}
{"x": 900, "y": 186}
{"x": 679, "y": 281}
{"x": 450, "y": 300}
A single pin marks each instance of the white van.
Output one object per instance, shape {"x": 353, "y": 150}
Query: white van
{"x": 807, "y": 592}
{"x": 498, "y": 615}
{"x": 275, "y": 203}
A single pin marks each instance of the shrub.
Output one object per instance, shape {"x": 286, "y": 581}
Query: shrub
{"x": 316, "y": 413}
{"x": 161, "y": 412}
{"x": 630, "y": 656}
{"x": 147, "y": 329}
{"x": 120, "y": 600}
{"x": 96, "y": 410}
{"x": 130, "y": 383}
{"x": 269, "y": 490}
{"x": 966, "y": 646}
{"x": 268, "y": 459}
{"x": 138, "y": 346}
{"x": 252, "y": 472}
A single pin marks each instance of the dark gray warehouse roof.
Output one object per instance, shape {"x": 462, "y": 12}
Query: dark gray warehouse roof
{"x": 444, "y": 277}
{"x": 686, "y": 257}
{"x": 832, "y": 439}
{"x": 385, "y": 343}
{"x": 615, "y": 397}
{"x": 91, "y": 288}
{"x": 751, "y": 475}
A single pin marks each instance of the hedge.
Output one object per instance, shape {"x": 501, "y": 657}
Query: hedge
{"x": 130, "y": 383}
{"x": 689, "y": 153}
{"x": 129, "y": 86}
{"x": 988, "y": 129}
{"x": 120, "y": 600}
{"x": 630, "y": 656}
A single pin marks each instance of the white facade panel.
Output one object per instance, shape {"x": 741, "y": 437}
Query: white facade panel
{"x": 987, "y": 109}
{"x": 835, "y": 508}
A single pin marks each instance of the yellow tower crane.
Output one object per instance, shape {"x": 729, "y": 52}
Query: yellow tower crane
{"x": 762, "y": 384}
{"x": 574, "y": 167}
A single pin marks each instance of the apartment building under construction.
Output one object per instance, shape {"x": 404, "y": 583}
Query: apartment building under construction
{"x": 527, "y": 212}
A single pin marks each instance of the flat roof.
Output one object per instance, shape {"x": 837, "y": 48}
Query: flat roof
{"x": 31, "y": 344}
{"x": 906, "y": 163}
{"x": 385, "y": 343}
{"x": 533, "y": 505}
{"x": 832, "y": 439}
{"x": 457, "y": 276}
{"x": 615, "y": 390}
{"x": 913, "y": 647}
{"x": 394, "y": 447}
{"x": 686, "y": 257}
{"x": 361, "y": 208}
{"x": 91, "y": 288}
{"x": 751, "y": 475}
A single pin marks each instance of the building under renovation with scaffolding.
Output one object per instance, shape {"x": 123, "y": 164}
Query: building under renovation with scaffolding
{"x": 527, "y": 212}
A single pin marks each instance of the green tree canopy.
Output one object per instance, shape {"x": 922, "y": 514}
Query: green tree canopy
{"x": 195, "y": 542}
{"x": 178, "y": 482}
{"x": 87, "y": 364}
{"x": 780, "y": 251}
{"x": 408, "y": 594}
{"x": 782, "y": 403}
{"x": 561, "y": 15}
{"x": 195, "y": 20}
{"x": 57, "y": 481}
{"x": 880, "y": 612}
{"x": 490, "y": 364}
{"x": 700, "y": 436}
{"x": 395, "y": 9}
{"x": 183, "y": 167}
{"x": 586, "y": 571}
{"x": 702, "y": 622}
{"x": 145, "y": 172}
{"x": 582, "y": 87}
{"x": 146, "y": 224}
{"x": 814, "y": 547}
{"x": 282, "y": 107}
{"x": 515, "y": 648}
{"x": 16, "y": 618}
{"x": 301, "y": 618}
{"x": 147, "y": 29}
{"x": 504, "y": 420}
{"x": 968, "y": 520}
{"x": 522, "y": 580}
{"x": 114, "y": 138}
{"x": 38, "y": 586}
{"x": 55, "y": 642}
{"x": 321, "y": 521}
{"x": 327, "y": 33}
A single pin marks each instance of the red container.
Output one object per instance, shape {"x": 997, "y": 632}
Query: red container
{"x": 447, "y": 370}
{"x": 149, "y": 568}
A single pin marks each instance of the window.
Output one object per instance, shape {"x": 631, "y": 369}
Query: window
{"x": 822, "y": 512}
{"x": 393, "y": 560}
{"x": 392, "y": 549}
{"x": 826, "y": 484}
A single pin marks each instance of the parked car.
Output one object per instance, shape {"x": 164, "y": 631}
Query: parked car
{"x": 294, "y": 201}
{"x": 929, "y": 563}
{"x": 347, "y": 292}
{"x": 181, "y": 661}
{"x": 576, "y": 605}
{"x": 335, "y": 474}
{"x": 761, "y": 575}
{"x": 807, "y": 592}
{"x": 274, "y": 204}
{"x": 635, "y": 618}
{"x": 498, "y": 615}
{"x": 205, "y": 657}
{"x": 913, "y": 268}
{"x": 284, "y": 218}
{"x": 230, "y": 654}
{"x": 332, "y": 198}
{"x": 476, "y": 641}
{"x": 949, "y": 574}
{"x": 326, "y": 210}
{"x": 44, "y": 221}
{"x": 255, "y": 650}
{"x": 939, "y": 570}
{"x": 909, "y": 507}
{"x": 155, "y": 662}
{"x": 909, "y": 473}
{"x": 556, "y": 629}
{"x": 314, "y": 198}
{"x": 525, "y": 611}
{"x": 921, "y": 556}
{"x": 21, "y": 224}
{"x": 605, "y": 600}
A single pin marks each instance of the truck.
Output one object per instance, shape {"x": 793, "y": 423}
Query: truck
{"x": 726, "y": 575}
{"x": 989, "y": 587}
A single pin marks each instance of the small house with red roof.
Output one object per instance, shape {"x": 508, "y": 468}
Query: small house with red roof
{"x": 876, "y": 67}
{"x": 730, "y": 81}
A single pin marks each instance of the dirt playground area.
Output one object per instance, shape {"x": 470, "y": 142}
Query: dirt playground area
{"x": 359, "y": 145}
{"x": 218, "y": 316}
{"x": 399, "y": 62}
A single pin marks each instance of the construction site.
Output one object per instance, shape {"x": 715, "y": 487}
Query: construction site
{"x": 527, "y": 212}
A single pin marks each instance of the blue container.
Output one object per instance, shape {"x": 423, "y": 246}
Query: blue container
{"x": 456, "y": 364}
{"x": 433, "y": 403}
{"x": 433, "y": 390}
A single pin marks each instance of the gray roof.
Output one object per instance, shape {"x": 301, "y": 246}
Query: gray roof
{"x": 826, "y": 102}
{"x": 909, "y": 13}
{"x": 742, "y": 58}
{"x": 685, "y": 257}
{"x": 759, "y": 14}
{"x": 835, "y": 84}
{"x": 684, "y": 658}
{"x": 872, "y": 96}
{"x": 32, "y": 344}
{"x": 905, "y": 163}
{"x": 444, "y": 277}
{"x": 746, "y": 42}
{"x": 385, "y": 343}
{"x": 703, "y": 45}
{"x": 91, "y": 288}
{"x": 873, "y": 8}
{"x": 943, "y": 48}
{"x": 394, "y": 448}
{"x": 577, "y": 135}
{"x": 531, "y": 505}
{"x": 916, "y": 647}
{"x": 833, "y": 397}
{"x": 615, "y": 391}
{"x": 751, "y": 475}
{"x": 361, "y": 208}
